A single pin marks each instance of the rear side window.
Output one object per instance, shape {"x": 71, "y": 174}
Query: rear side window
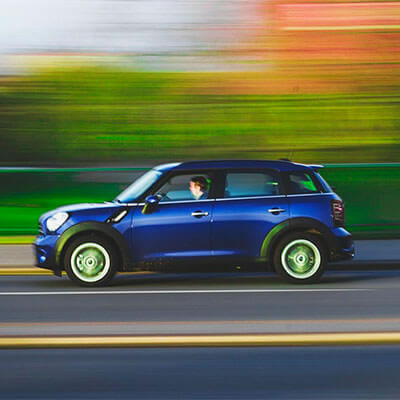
{"x": 301, "y": 183}
{"x": 250, "y": 184}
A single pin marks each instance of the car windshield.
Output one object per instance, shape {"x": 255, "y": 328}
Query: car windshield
{"x": 137, "y": 188}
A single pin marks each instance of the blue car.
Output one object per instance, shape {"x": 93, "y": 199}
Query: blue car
{"x": 277, "y": 215}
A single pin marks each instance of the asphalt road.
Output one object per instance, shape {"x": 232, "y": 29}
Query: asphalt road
{"x": 345, "y": 301}
{"x": 202, "y": 373}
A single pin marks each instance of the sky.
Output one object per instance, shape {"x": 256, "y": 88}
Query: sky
{"x": 159, "y": 26}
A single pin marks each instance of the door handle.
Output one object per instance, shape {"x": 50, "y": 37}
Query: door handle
{"x": 276, "y": 210}
{"x": 199, "y": 214}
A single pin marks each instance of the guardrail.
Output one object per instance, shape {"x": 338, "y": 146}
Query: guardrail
{"x": 371, "y": 193}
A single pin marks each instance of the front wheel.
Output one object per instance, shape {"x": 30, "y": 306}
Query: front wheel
{"x": 90, "y": 261}
{"x": 300, "y": 258}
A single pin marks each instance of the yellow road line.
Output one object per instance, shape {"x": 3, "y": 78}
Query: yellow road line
{"x": 24, "y": 271}
{"x": 10, "y": 271}
{"x": 312, "y": 339}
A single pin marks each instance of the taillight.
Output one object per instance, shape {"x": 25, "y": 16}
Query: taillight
{"x": 338, "y": 212}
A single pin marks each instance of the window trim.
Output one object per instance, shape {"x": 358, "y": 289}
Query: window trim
{"x": 194, "y": 201}
{"x": 273, "y": 196}
{"x": 307, "y": 194}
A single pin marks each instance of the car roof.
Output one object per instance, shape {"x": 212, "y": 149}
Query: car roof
{"x": 279, "y": 165}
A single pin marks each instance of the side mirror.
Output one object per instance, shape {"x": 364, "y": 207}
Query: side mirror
{"x": 153, "y": 199}
{"x": 150, "y": 203}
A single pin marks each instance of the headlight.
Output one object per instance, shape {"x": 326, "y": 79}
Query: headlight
{"x": 54, "y": 222}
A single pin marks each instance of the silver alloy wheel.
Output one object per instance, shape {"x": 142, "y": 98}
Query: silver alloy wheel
{"x": 301, "y": 258}
{"x": 90, "y": 262}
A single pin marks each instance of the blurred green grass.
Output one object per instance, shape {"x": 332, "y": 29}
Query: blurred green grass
{"x": 96, "y": 115}
{"x": 26, "y": 239}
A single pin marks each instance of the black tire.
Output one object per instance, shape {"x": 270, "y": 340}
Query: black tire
{"x": 300, "y": 257}
{"x": 91, "y": 261}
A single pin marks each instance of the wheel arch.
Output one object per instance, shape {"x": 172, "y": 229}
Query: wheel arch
{"x": 96, "y": 228}
{"x": 308, "y": 225}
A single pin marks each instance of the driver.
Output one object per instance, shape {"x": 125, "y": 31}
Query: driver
{"x": 198, "y": 186}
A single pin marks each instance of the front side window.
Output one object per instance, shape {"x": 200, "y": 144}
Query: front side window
{"x": 250, "y": 184}
{"x": 185, "y": 187}
{"x": 301, "y": 183}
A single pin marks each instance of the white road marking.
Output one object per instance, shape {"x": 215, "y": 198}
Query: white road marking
{"x": 206, "y": 291}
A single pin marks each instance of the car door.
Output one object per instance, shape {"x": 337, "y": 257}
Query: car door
{"x": 250, "y": 205}
{"x": 178, "y": 226}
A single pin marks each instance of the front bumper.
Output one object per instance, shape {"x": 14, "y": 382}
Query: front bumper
{"x": 343, "y": 248}
{"x": 44, "y": 252}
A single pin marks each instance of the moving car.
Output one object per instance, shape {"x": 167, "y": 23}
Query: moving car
{"x": 277, "y": 214}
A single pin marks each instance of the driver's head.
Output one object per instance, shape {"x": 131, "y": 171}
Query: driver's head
{"x": 198, "y": 185}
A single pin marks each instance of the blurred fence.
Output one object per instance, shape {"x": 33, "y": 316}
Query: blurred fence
{"x": 371, "y": 193}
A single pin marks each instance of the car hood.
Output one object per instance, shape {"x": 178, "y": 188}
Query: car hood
{"x": 87, "y": 206}
{"x": 72, "y": 208}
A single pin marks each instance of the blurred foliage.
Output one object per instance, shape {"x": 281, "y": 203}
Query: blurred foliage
{"x": 110, "y": 116}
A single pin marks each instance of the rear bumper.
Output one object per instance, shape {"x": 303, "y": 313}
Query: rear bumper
{"x": 343, "y": 245}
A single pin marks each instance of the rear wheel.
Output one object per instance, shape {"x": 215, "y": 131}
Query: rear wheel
{"x": 300, "y": 257}
{"x": 91, "y": 261}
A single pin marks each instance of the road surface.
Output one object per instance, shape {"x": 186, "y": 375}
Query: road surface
{"x": 350, "y": 301}
{"x": 202, "y": 373}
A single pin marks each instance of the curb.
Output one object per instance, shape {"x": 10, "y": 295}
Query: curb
{"x": 265, "y": 340}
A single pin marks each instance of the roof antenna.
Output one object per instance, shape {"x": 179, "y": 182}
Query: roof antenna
{"x": 289, "y": 158}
